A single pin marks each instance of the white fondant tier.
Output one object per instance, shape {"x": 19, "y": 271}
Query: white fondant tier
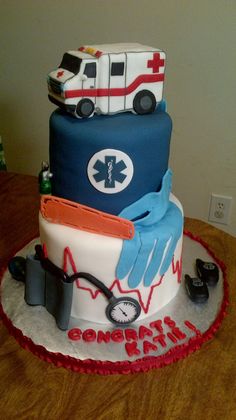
{"x": 99, "y": 255}
{"x": 36, "y": 330}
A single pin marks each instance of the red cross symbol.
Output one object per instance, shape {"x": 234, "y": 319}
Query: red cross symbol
{"x": 156, "y": 63}
{"x": 60, "y": 73}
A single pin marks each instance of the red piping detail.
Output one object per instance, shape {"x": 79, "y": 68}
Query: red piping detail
{"x": 125, "y": 367}
{"x": 145, "y": 78}
{"x": 170, "y": 322}
{"x": 192, "y": 327}
{"x": 177, "y": 268}
{"x": 68, "y": 254}
{"x": 94, "y": 294}
{"x": 172, "y": 337}
{"x": 160, "y": 339}
{"x": 117, "y": 283}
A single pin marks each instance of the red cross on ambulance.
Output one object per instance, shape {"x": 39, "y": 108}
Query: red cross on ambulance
{"x": 156, "y": 63}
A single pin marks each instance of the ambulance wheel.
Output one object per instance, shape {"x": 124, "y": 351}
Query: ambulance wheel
{"x": 84, "y": 108}
{"x": 144, "y": 102}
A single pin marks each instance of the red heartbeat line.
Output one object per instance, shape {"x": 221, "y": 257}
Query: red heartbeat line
{"x": 176, "y": 268}
{"x": 68, "y": 258}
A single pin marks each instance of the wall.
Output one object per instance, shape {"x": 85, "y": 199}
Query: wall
{"x": 200, "y": 88}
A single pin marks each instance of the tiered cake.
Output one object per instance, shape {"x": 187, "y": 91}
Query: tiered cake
{"x": 112, "y": 224}
{"x": 111, "y": 232}
{"x": 103, "y": 281}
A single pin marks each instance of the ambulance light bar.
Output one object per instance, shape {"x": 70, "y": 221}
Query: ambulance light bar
{"x": 91, "y": 51}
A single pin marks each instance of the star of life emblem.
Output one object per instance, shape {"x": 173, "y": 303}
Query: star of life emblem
{"x": 110, "y": 171}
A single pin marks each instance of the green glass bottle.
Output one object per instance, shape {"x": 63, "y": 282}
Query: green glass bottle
{"x": 44, "y": 179}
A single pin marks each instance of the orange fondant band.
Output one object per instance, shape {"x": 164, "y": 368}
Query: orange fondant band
{"x": 69, "y": 213}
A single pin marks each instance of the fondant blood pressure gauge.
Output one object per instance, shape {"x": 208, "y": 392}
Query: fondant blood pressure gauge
{"x": 123, "y": 310}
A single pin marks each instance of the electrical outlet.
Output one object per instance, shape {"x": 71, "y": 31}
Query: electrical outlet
{"x": 220, "y": 207}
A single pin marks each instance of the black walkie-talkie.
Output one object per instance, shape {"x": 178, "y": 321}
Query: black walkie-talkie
{"x": 207, "y": 272}
{"x": 196, "y": 289}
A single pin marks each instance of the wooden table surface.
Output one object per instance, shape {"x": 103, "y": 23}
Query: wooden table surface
{"x": 201, "y": 386}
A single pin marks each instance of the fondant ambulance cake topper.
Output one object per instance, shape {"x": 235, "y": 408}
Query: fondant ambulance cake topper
{"x": 107, "y": 79}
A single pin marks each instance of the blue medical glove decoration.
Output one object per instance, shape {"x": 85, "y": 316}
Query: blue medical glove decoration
{"x": 158, "y": 223}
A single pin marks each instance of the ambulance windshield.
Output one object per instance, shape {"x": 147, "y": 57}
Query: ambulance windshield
{"x": 70, "y": 63}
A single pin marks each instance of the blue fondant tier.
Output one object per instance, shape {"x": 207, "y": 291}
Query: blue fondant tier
{"x": 108, "y": 162}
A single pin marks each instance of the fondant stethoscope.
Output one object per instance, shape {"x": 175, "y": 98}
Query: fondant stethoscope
{"x": 121, "y": 311}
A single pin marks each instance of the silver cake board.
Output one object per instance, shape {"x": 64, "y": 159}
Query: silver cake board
{"x": 174, "y": 332}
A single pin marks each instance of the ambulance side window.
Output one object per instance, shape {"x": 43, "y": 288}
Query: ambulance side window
{"x": 117, "y": 69}
{"x": 90, "y": 70}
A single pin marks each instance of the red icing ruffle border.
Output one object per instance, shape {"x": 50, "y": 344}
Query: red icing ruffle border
{"x": 126, "y": 367}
